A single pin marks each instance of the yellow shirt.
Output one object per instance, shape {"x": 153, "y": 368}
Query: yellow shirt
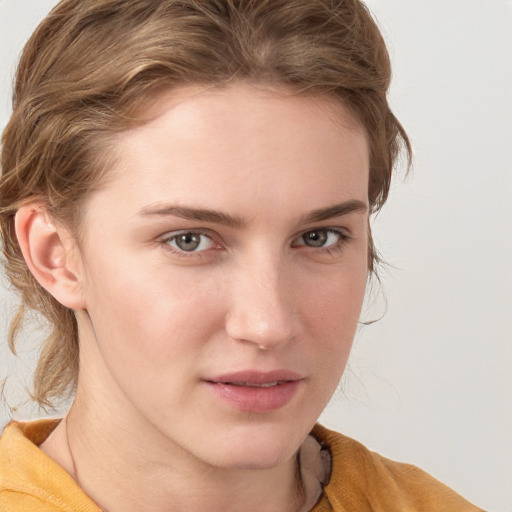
{"x": 30, "y": 481}
{"x": 361, "y": 481}
{"x": 364, "y": 481}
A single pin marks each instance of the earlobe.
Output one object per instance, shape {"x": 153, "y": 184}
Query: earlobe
{"x": 50, "y": 254}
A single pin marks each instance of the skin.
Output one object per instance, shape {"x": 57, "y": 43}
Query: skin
{"x": 156, "y": 322}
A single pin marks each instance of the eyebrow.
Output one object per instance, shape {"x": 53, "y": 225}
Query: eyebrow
{"x": 234, "y": 221}
{"x": 336, "y": 210}
{"x": 200, "y": 214}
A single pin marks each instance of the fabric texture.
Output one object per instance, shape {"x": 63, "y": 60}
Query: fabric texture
{"x": 364, "y": 481}
{"x": 360, "y": 480}
{"x": 31, "y": 481}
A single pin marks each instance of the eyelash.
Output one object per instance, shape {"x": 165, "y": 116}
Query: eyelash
{"x": 343, "y": 238}
{"x": 166, "y": 241}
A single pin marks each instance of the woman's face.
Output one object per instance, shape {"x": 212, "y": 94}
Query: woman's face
{"x": 223, "y": 268}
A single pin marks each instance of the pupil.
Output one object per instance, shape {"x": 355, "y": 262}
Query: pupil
{"x": 315, "y": 238}
{"x": 188, "y": 241}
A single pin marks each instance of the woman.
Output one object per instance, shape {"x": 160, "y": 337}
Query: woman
{"x": 185, "y": 197}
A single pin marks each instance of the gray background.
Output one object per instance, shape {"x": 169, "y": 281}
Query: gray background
{"x": 431, "y": 383}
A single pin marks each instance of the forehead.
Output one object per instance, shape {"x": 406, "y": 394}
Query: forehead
{"x": 208, "y": 144}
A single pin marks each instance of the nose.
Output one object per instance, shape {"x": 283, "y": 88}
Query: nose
{"x": 263, "y": 307}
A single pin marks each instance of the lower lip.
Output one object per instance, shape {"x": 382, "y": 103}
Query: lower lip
{"x": 255, "y": 399}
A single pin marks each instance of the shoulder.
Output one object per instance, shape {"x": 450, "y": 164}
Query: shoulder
{"x": 363, "y": 480}
{"x": 29, "y": 479}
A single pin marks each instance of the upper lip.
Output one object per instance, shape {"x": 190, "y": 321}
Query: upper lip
{"x": 249, "y": 377}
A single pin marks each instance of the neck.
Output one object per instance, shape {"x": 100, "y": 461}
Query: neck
{"x": 121, "y": 472}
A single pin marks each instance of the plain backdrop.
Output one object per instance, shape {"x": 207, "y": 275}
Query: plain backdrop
{"x": 431, "y": 382}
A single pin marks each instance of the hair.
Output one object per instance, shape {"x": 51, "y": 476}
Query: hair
{"x": 91, "y": 69}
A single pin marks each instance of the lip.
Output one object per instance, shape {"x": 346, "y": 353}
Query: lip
{"x": 257, "y": 392}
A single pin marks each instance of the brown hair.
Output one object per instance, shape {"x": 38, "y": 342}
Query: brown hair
{"x": 92, "y": 65}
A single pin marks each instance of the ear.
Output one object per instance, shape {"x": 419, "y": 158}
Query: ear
{"x": 51, "y": 255}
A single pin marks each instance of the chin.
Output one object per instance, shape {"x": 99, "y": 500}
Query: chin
{"x": 255, "y": 446}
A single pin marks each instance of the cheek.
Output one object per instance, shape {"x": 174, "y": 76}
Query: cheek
{"x": 151, "y": 329}
{"x": 332, "y": 321}
{"x": 152, "y": 311}
{"x": 335, "y": 306}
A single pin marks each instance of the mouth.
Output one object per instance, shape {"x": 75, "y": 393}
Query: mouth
{"x": 254, "y": 378}
{"x": 254, "y": 384}
{"x": 256, "y": 392}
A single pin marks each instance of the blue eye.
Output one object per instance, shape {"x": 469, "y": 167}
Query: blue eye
{"x": 189, "y": 241}
{"x": 321, "y": 238}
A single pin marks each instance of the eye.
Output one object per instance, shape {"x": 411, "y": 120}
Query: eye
{"x": 189, "y": 241}
{"x": 321, "y": 238}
